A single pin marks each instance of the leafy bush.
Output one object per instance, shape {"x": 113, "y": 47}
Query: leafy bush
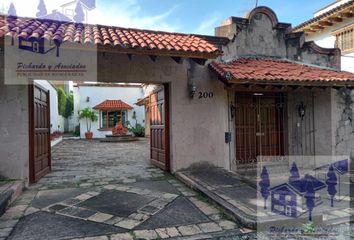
{"x": 69, "y": 106}
{"x": 138, "y": 130}
{"x": 309, "y": 228}
{"x": 61, "y": 101}
{"x": 65, "y": 103}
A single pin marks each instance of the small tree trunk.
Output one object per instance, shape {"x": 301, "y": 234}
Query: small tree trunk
{"x": 310, "y": 215}
{"x": 87, "y": 126}
{"x": 265, "y": 203}
{"x": 332, "y": 201}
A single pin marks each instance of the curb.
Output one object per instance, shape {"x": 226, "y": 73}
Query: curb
{"x": 235, "y": 213}
{"x": 10, "y": 195}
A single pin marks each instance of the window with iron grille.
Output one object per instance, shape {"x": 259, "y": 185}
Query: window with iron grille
{"x": 345, "y": 39}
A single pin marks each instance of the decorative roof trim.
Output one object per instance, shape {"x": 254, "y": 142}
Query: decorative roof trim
{"x": 267, "y": 11}
{"x": 258, "y": 70}
{"x": 318, "y": 49}
{"x": 264, "y": 10}
{"x": 324, "y": 16}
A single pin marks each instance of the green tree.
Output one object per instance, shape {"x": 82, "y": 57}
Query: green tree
{"x": 61, "y": 102}
{"x": 69, "y": 106}
{"x": 89, "y": 116}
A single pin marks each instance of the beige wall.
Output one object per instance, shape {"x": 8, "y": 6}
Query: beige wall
{"x": 14, "y": 148}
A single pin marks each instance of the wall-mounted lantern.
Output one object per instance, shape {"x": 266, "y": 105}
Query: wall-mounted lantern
{"x": 192, "y": 88}
{"x": 301, "y": 110}
{"x": 87, "y": 99}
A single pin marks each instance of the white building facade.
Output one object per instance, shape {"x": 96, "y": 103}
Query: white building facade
{"x": 56, "y": 121}
{"x": 333, "y": 26}
{"x": 91, "y": 95}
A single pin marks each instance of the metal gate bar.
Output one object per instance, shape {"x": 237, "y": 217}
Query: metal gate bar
{"x": 260, "y": 127}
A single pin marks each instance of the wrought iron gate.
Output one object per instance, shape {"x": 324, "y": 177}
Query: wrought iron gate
{"x": 260, "y": 127}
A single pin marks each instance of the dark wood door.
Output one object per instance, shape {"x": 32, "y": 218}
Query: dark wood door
{"x": 39, "y": 126}
{"x": 260, "y": 126}
{"x": 159, "y": 128}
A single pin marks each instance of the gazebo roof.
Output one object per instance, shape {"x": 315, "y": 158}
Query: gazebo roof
{"x": 113, "y": 105}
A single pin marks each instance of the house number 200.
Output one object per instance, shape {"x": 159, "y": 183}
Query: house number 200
{"x": 206, "y": 95}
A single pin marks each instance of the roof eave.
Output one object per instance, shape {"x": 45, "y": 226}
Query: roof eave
{"x": 294, "y": 82}
{"x": 133, "y": 51}
{"x": 333, "y": 15}
{"x": 111, "y": 109}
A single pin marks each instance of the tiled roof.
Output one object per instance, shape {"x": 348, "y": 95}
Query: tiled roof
{"x": 113, "y": 105}
{"x": 121, "y": 39}
{"x": 324, "y": 15}
{"x": 271, "y": 70}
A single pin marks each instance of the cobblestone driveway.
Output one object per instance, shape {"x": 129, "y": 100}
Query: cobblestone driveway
{"x": 87, "y": 163}
{"x": 110, "y": 191}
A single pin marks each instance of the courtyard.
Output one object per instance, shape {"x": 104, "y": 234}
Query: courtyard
{"x": 110, "y": 191}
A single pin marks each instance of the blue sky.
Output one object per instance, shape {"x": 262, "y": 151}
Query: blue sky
{"x": 189, "y": 16}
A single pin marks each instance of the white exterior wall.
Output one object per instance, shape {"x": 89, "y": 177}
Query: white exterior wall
{"x": 98, "y": 94}
{"x": 330, "y": 7}
{"x": 56, "y": 121}
{"x": 75, "y": 120}
{"x": 327, "y": 40}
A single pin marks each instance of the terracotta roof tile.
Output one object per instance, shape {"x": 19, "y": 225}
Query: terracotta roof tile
{"x": 174, "y": 44}
{"x": 113, "y": 105}
{"x": 261, "y": 69}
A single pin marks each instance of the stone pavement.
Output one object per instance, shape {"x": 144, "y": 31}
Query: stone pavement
{"x": 110, "y": 191}
{"x": 9, "y": 191}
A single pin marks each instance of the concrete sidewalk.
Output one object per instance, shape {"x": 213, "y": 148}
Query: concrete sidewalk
{"x": 243, "y": 201}
{"x": 9, "y": 192}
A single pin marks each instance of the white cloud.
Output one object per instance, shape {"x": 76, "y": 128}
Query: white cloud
{"x": 207, "y": 26}
{"x": 123, "y": 13}
{"x": 128, "y": 13}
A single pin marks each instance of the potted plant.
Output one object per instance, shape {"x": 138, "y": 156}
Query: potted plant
{"x": 90, "y": 116}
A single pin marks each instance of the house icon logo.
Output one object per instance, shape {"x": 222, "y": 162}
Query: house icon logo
{"x": 296, "y": 197}
{"x": 72, "y": 12}
{"x": 38, "y": 45}
{"x": 301, "y": 195}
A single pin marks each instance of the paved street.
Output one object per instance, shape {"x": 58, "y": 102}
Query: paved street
{"x": 110, "y": 191}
